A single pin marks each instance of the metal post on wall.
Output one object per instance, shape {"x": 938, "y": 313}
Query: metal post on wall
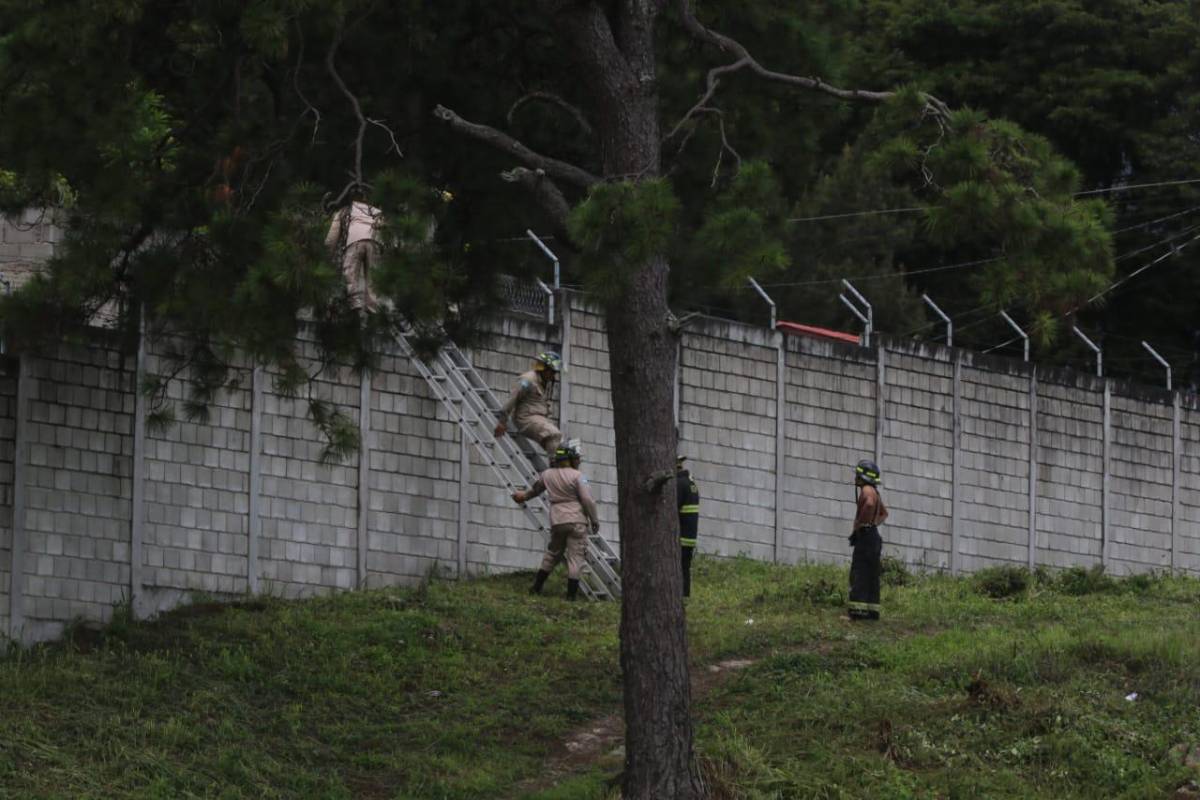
{"x": 1012, "y": 324}
{"x": 1095, "y": 349}
{"x": 867, "y": 319}
{"x": 949, "y": 322}
{"x": 767, "y": 298}
{"x": 1166, "y": 364}
{"x": 549, "y": 254}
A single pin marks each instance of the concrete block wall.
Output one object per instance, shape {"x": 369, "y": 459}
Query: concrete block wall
{"x": 1140, "y": 483}
{"x": 993, "y": 467}
{"x": 309, "y": 505}
{"x": 29, "y": 237}
{"x": 398, "y": 511}
{"x": 78, "y": 488}
{"x": 727, "y": 405}
{"x": 916, "y": 459}
{"x": 1070, "y": 470}
{"x": 196, "y": 530}
{"x": 831, "y": 391}
{"x": 412, "y": 516}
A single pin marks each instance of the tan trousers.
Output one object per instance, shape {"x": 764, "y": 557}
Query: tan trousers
{"x": 567, "y": 541}
{"x": 360, "y": 258}
{"x": 542, "y": 431}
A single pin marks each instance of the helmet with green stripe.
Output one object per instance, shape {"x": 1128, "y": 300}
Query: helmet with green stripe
{"x": 868, "y": 472}
{"x": 548, "y": 360}
{"x": 571, "y": 452}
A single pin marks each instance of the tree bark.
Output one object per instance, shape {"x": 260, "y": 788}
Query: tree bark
{"x": 613, "y": 44}
{"x": 659, "y": 759}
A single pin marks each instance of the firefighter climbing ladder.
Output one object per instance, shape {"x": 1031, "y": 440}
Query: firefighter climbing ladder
{"x": 473, "y": 406}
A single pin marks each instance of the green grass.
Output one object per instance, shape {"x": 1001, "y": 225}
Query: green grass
{"x": 464, "y": 691}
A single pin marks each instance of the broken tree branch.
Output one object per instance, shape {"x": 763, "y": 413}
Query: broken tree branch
{"x": 745, "y": 60}
{"x": 553, "y": 99}
{"x": 544, "y": 190}
{"x": 356, "y": 176}
{"x": 308, "y": 106}
{"x": 560, "y": 170}
{"x": 712, "y": 83}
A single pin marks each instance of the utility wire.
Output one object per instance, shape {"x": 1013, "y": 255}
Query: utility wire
{"x": 913, "y": 209}
{"x": 1175, "y": 250}
{"x": 882, "y": 275}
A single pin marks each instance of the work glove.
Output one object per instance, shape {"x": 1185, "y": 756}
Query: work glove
{"x": 501, "y": 429}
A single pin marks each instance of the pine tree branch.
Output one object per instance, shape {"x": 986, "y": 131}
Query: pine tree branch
{"x": 553, "y": 99}
{"x": 356, "y": 176}
{"x": 712, "y": 83}
{"x": 308, "y": 106}
{"x": 560, "y": 170}
{"x": 745, "y": 60}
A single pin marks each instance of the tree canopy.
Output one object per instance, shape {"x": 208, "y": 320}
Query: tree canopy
{"x": 196, "y": 151}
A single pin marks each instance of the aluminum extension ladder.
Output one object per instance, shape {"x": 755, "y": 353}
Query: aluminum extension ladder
{"x": 473, "y": 406}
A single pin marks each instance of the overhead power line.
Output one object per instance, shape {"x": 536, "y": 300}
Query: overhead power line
{"x": 914, "y": 209}
{"x": 1175, "y": 250}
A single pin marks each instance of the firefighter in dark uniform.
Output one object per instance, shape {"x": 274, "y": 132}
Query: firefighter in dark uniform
{"x": 688, "y": 496}
{"x": 869, "y": 514}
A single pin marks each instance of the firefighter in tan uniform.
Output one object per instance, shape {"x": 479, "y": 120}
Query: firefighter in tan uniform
{"x": 529, "y": 405}
{"x": 354, "y": 239}
{"x": 573, "y": 516}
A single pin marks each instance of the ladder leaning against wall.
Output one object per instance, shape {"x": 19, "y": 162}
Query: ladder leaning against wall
{"x": 475, "y": 409}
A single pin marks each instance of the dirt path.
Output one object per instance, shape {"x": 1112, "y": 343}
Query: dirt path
{"x": 604, "y": 736}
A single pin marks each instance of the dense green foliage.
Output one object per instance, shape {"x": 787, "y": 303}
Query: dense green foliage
{"x": 468, "y": 690}
{"x": 197, "y": 150}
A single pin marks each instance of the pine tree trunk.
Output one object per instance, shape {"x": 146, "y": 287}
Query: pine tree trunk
{"x": 618, "y": 62}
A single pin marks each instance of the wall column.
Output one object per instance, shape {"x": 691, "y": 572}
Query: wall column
{"x": 254, "y": 519}
{"x": 464, "y": 484}
{"x": 564, "y": 392}
{"x": 1033, "y": 469}
{"x": 780, "y": 436}
{"x": 1104, "y": 494}
{"x": 880, "y": 402}
{"x": 137, "y": 516}
{"x": 364, "y": 472}
{"x": 16, "y": 572}
{"x": 1176, "y": 489}
{"x": 955, "y": 464}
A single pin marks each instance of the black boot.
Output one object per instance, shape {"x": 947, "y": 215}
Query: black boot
{"x": 539, "y": 582}
{"x": 572, "y": 588}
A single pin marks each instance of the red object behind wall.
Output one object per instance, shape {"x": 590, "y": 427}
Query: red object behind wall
{"x": 796, "y": 328}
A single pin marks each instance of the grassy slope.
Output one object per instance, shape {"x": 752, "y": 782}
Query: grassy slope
{"x": 463, "y": 690}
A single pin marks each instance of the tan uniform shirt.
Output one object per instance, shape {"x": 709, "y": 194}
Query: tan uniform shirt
{"x": 871, "y": 510}
{"x": 528, "y": 399}
{"x": 361, "y": 223}
{"x": 571, "y": 501}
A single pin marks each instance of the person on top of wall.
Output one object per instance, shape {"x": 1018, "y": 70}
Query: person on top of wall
{"x": 354, "y": 240}
{"x": 866, "y": 541}
{"x": 687, "y": 495}
{"x": 573, "y": 516}
{"x": 529, "y": 404}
